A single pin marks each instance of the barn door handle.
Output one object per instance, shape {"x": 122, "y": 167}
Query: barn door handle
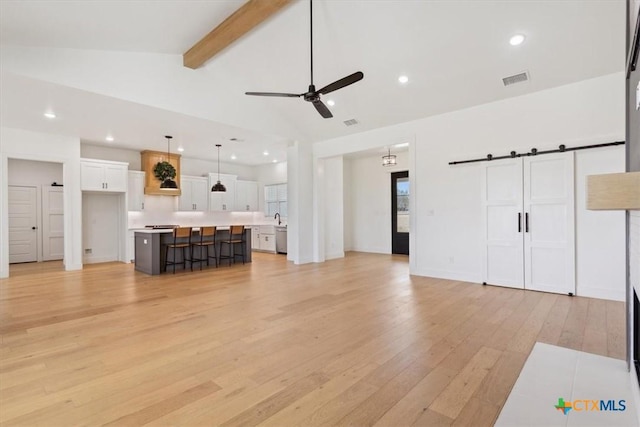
{"x": 519, "y": 222}
{"x": 526, "y": 222}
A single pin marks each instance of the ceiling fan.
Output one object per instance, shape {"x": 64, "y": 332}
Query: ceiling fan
{"x": 312, "y": 95}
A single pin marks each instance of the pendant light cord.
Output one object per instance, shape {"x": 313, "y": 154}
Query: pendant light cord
{"x": 311, "y": 38}
{"x": 218, "y": 145}
{"x": 168, "y": 151}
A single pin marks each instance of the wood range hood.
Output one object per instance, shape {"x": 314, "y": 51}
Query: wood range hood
{"x": 151, "y": 184}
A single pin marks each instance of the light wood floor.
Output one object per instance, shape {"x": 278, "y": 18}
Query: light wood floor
{"x": 355, "y": 341}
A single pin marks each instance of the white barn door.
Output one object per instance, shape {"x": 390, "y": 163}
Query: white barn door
{"x": 529, "y": 216}
{"x": 502, "y": 208}
{"x": 549, "y": 238}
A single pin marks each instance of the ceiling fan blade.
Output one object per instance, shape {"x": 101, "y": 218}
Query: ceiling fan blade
{"x": 339, "y": 84}
{"x": 322, "y": 109}
{"x": 284, "y": 95}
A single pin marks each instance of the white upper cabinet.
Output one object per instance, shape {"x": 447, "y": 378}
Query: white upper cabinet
{"x": 194, "y": 195}
{"x": 222, "y": 201}
{"x": 135, "y": 192}
{"x": 246, "y": 196}
{"x": 99, "y": 175}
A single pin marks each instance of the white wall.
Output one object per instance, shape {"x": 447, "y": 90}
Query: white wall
{"x": 369, "y": 213}
{"x": 28, "y": 172}
{"x": 333, "y": 200}
{"x": 115, "y": 154}
{"x": 188, "y": 166}
{"x": 20, "y": 144}
{"x": 600, "y": 236}
{"x": 100, "y": 217}
{"x": 300, "y": 203}
{"x": 347, "y": 203}
{"x": 591, "y": 111}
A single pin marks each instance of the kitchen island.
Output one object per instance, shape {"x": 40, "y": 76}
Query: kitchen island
{"x": 150, "y": 248}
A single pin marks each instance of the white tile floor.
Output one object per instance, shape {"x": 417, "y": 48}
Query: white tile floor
{"x": 555, "y": 372}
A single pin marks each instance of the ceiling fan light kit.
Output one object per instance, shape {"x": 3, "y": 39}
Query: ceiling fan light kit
{"x": 312, "y": 95}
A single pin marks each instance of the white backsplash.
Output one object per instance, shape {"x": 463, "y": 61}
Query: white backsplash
{"x": 164, "y": 210}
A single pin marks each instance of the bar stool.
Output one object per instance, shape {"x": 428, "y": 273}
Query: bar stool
{"x": 179, "y": 233}
{"x": 236, "y": 235}
{"x": 207, "y": 238}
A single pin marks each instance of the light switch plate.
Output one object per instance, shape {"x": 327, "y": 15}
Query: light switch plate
{"x": 638, "y": 97}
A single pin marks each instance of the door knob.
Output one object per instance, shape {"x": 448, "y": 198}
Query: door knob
{"x": 33, "y": 228}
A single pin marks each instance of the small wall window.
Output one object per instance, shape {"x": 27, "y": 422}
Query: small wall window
{"x": 275, "y": 200}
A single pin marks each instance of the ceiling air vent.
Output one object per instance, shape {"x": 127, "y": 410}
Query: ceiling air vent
{"x": 351, "y": 122}
{"x": 516, "y": 78}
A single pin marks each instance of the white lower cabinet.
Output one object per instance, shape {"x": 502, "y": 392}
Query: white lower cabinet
{"x": 263, "y": 238}
{"x": 268, "y": 242}
{"x": 255, "y": 237}
{"x": 131, "y": 246}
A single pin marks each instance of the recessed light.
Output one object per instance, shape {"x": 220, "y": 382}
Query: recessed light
{"x": 49, "y": 115}
{"x": 403, "y": 79}
{"x": 274, "y": 161}
{"x": 109, "y": 138}
{"x": 516, "y": 40}
{"x": 331, "y": 103}
{"x": 233, "y": 157}
{"x": 181, "y": 148}
{"x": 266, "y": 153}
{"x": 403, "y": 144}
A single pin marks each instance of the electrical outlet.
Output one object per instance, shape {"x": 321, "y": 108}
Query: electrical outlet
{"x": 88, "y": 251}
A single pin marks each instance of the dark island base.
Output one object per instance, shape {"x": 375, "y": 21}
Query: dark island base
{"x": 150, "y": 250}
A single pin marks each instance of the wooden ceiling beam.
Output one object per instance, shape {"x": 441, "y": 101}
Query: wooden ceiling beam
{"x": 243, "y": 20}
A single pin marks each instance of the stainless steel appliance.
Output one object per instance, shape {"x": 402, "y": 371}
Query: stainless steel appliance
{"x": 281, "y": 239}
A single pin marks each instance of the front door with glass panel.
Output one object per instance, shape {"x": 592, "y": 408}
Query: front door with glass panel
{"x": 400, "y": 213}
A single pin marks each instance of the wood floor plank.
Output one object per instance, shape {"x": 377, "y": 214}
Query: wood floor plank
{"x": 572, "y": 335}
{"x": 451, "y": 401}
{"x": 353, "y": 341}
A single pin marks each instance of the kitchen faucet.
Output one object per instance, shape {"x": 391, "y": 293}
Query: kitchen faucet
{"x": 277, "y": 215}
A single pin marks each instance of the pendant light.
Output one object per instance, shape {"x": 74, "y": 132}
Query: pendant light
{"x": 389, "y": 159}
{"x": 168, "y": 182}
{"x": 218, "y": 187}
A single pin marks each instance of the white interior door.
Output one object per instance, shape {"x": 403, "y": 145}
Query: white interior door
{"x": 549, "y": 238}
{"x": 502, "y": 207}
{"x": 52, "y": 223}
{"x": 23, "y": 220}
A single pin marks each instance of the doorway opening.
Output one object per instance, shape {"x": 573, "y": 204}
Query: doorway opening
{"x": 35, "y": 215}
{"x": 400, "y": 213}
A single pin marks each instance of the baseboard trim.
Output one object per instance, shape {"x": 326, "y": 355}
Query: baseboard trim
{"x": 371, "y": 251}
{"x": 334, "y": 256}
{"x": 449, "y": 275}
{"x": 95, "y": 260}
{"x": 600, "y": 293}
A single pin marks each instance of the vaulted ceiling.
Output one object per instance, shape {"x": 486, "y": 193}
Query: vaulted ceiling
{"x": 115, "y": 67}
